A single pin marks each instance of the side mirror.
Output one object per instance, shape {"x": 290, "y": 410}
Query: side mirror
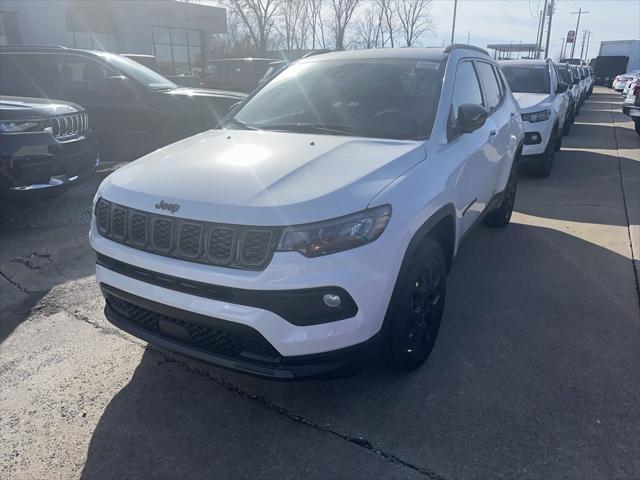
{"x": 234, "y": 107}
{"x": 471, "y": 117}
{"x": 120, "y": 84}
{"x": 562, "y": 87}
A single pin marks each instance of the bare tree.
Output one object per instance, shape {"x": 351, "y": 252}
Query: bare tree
{"x": 414, "y": 19}
{"x": 369, "y": 27}
{"x": 258, "y": 17}
{"x": 341, "y": 14}
{"x": 292, "y": 16}
{"x": 387, "y": 12}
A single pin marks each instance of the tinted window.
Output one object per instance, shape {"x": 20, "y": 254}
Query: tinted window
{"x": 565, "y": 74}
{"x": 528, "y": 79}
{"x": 30, "y": 75}
{"x": 78, "y": 73}
{"x": 138, "y": 72}
{"x": 493, "y": 97}
{"x": 466, "y": 88}
{"x": 381, "y": 98}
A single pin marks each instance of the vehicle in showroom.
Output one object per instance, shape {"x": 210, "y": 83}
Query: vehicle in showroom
{"x": 565, "y": 74}
{"x": 46, "y": 146}
{"x": 237, "y": 74}
{"x": 631, "y": 105}
{"x": 133, "y": 109}
{"x": 544, "y": 102}
{"x": 318, "y": 226}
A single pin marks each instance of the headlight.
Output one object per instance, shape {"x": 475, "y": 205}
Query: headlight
{"x": 534, "y": 117}
{"x": 331, "y": 236}
{"x": 17, "y": 126}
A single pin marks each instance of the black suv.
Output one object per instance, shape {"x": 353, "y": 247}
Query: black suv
{"x": 133, "y": 109}
{"x": 45, "y": 147}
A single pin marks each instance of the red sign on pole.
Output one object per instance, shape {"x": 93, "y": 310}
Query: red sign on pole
{"x": 571, "y": 36}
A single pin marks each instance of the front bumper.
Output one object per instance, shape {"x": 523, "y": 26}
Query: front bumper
{"x": 366, "y": 273}
{"x": 543, "y": 130}
{"x": 31, "y": 163}
{"x": 225, "y": 344}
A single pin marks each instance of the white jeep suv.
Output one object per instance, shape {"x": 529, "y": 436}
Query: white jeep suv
{"x": 317, "y": 226}
{"x": 544, "y": 102}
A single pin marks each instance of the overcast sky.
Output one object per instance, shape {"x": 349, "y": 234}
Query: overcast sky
{"x": 503, "y": 21}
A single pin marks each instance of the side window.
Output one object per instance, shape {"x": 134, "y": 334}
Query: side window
{"x": 492, "y": 92}
{"x": 466, "y": 88}
{"x": 77, "y": 73}
{"x": 501, "y": 81}
{"x": 28, "y": 75}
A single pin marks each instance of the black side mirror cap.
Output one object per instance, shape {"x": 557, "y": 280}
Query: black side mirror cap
{"x": 562, "y": 87}
{"x": 471, "y": 116}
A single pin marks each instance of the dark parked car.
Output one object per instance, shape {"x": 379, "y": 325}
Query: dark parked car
{"x": 133, "y": 109}
{"x": 238, "y": 74}
{"x": 45, "y": 147}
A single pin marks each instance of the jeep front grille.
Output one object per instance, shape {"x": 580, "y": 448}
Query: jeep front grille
{"x": 69, "y": 126}
{"x": 235, "y": 246}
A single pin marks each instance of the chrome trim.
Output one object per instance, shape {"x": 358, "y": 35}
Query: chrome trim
{"x": 53, "y": 182}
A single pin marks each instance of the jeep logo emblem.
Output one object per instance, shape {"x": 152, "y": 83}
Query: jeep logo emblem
{"x": 172, "y": 207}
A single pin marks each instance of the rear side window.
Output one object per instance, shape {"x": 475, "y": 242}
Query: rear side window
{"x": 493, "y": 96}
{"x": 76, "y": 73}
{"x": 466, "y": 88}
{"x": 28, "y": 75}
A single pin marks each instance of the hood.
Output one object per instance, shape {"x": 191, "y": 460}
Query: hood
{"x": 532, "y": 102}
{"x": 25, "y": 107}
{"x": 262, "y": 178}
{"x": 205, "y": 92}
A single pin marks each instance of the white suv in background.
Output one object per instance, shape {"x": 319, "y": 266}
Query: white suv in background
{"x": 544, "y": 102}
{"x": 319, "y": 224}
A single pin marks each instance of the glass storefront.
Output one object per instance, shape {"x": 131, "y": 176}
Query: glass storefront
{"x": 178, "y": 51}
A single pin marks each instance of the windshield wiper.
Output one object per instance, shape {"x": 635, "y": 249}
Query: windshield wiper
{"x": 242, "y": 124}
{"x": 310, "y": 128}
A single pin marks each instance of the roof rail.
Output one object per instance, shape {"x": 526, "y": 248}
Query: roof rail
{"x": 313, "y": 53}
{"x": 26, "y": 47}
{"x": 456, "y": 46}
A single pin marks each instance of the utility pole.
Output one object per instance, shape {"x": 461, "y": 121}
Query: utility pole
{"x": 586, "y": 51}
{"x": 562, "y": 50}
{"x": 579, "y": 13}
{"x": 543, "y": 14}
{"x": 552, "y": 6}
{"x": 453, "y": 28}
{"x": 469, "y": 37}
{"x": 584, "y": 39}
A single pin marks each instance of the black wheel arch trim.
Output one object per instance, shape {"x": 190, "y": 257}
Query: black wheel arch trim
{"x": 447, "y": 211}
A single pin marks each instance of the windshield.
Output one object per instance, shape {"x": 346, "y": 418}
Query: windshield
{"x": 382, "y": 98}
{"x": 565, "y": 74}
{"x": 138, "y": 72}
{"x": 527, "y": 79}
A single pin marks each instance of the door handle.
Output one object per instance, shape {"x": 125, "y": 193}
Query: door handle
{"x": 493, "y": 132}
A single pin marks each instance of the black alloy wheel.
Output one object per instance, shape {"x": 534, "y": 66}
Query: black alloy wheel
{"x": 501, "y": 215}
{"x": 416, "y": 319}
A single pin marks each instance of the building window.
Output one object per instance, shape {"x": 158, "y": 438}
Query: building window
{"x": 178, "y": 51}
{"x": 96, "y": 41}
{"x": 9, "y": 30}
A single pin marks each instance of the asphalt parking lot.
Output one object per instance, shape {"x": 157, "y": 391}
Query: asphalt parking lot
{"x": 535, "y": 374}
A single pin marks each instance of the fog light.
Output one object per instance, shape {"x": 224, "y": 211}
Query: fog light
{"x": 332, "y": 300}
{"x": 535, "y": 138}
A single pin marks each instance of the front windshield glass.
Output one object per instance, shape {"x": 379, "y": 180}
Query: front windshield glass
{"x": 138, "y": 72}
{"x": 371, "y": 98}
{"x": 565, "y": 74}
{"x": 527, "y": 79}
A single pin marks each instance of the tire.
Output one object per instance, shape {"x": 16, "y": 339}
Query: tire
{"x": 500, "y": 216}
{"x": 3, "y": 208}
{"x": 568, "y": 122}
{"x": 415, "y": 321}
{"x": 637, "y": 123}
{"x": 558, "y": 142}
{"x": 543, "y": 168}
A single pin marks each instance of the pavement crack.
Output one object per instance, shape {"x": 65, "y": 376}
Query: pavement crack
{"x": 14, "y": 283}
{"x": 280, "y": 410}
{"x": 635, "y": 262}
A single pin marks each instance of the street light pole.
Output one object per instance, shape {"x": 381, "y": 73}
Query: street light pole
{"x": 453, "y": 28}
{"x": 541, "y": 31}
{"x": 579, "y": 13}
{"x": 546, "y": 48}
{"x": 562, "y": 50}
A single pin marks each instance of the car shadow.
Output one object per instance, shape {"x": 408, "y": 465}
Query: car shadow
{"x": 533, "y": 347}
{"x": 43, "y": 244}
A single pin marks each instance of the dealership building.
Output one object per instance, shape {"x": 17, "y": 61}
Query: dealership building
{"x": 176, "y": 33}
